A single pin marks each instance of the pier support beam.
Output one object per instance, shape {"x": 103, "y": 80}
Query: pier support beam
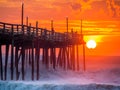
{"x": 46, "y": 58}
{"x": 1, "y": 63}
{"x": 64, "y": 59}
{"x": 29, "y": 52}
{"x": 16, "y": 62}
{"x": 32, "y": 63}
{"x": 12, "y": 60}
{"x": 38, "y": 56}
{"x": 77, "y": 52}
{"x": 37, "y": 51}
{"x": 59, "y": 57}
{"x": 6, "y": 60}
{"x": 23, "y": 63}
{"x": 53, "y": 57}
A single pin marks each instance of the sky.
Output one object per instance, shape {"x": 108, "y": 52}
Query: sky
{"x": 100, "y": 19}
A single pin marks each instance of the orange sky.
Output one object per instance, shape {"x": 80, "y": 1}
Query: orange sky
{"x": 99, "y": 17}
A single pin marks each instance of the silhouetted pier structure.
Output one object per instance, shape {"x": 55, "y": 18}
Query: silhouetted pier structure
{"x": 27, "y": 44}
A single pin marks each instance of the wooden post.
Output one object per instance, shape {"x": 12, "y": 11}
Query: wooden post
{"x": 27, "y": 21}
{"x": 67, "y": 24}
{"x": 77, "y": 52}
{"x": 46, "y": 58}
{"x": 6, "y": 60}
{"x": 51, "y": 55}
{"x": 43, "y": 55}
{"x": 37, "y": 50}
{"x": 32, "y": 60}
{"x": 22, "y": 14}
{"x": 12, "y": 53}
{"x": 26, "y": 58}
{"x": 54, "y": 57}
{"x": 70, "y": 53}
{"x": 36, "y": 28}
{"x": 52, "y": 28}
{"x": 64, "y": 60}
{"x": 68, "y": 57}
{"x": 61, "y": 59}
{"x": 74, "y": 58}
{"x": 38, "y": 55}
{"x": 84, "y": 62}
{"x": 29, "y": 56}
{"x": 1, "y": 63}
{"x": 12, "y": 59}
{"x": 17, "y": 29}
{"x": 3, "y": 28}
{"x": 23, "y": 61}
{"x": 16, "y": 62}
{"x": 29, "y": 29}
{"x": 22, "y": 18}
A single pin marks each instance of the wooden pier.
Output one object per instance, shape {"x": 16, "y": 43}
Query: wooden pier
{"x": 28, "y": 44}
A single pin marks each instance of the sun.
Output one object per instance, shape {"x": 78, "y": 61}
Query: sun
{"x": 91, "y": 44}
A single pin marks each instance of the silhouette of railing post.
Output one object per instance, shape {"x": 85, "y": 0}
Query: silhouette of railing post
{"x": 29, "y": 30}
{"x": 17, "y": 29}
{"x": 36, "y": 28}
{"x": 27, "y": 21}
{"x": 3, "y": 28}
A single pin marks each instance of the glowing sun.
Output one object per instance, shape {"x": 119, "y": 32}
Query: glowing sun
{"x": 91, "y": 44}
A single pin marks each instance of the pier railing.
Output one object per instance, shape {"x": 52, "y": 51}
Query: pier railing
{"x": 41, "y": 33}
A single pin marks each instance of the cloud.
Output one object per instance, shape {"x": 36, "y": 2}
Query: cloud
{"x": 85, "y": 0}
{"x": 59, "y": 9}
{"x": 81, "y": 5}
{"x": 117, "y": 2}
{"x": 114, "y": 7}
{"x": 76, "y": 6}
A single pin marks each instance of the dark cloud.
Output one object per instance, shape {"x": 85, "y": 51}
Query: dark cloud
{"x": 114, "y": 7}
{"x": 61, "y": 4}
{"x": 21, "y": 0}
{"x": 99, "y": 4}
{"x": 117, "y": 2}
{"x": 111, "y": 7}
{"x": 76, "y": 6}
{"x": 85, "y": 0}
{"x": 99, "y": 8}
{"x": 14, "y": 0}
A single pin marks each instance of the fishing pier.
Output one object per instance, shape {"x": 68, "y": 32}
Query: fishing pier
{"x": 33, "y": 45}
